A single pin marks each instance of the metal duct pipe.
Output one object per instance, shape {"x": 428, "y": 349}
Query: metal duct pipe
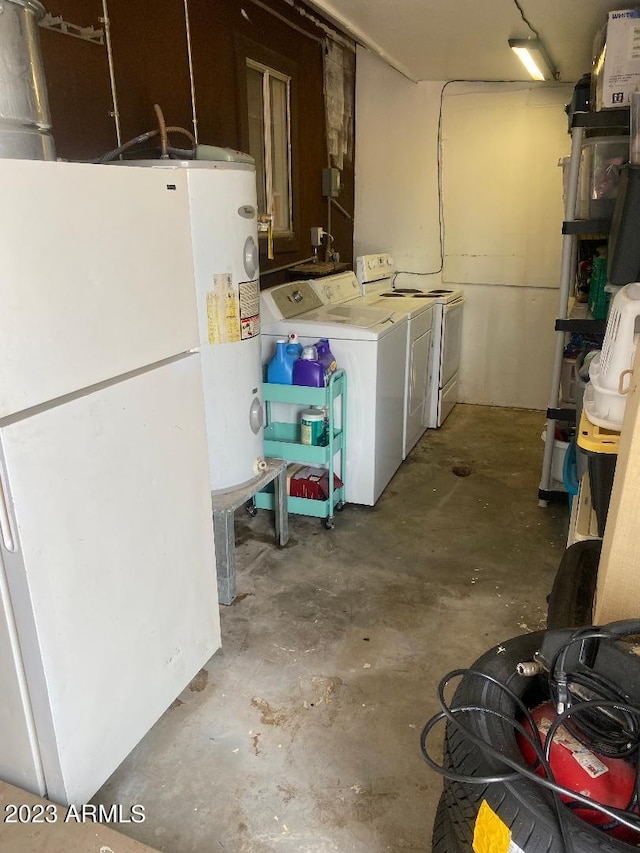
{"x": 25, "y": 123}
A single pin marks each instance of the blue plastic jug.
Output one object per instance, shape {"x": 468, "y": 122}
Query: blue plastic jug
{"x": 294, "y": 347}
{"x": 280, "y": 368}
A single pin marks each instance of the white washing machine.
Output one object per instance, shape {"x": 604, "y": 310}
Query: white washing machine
{"x": 369, "y": 343}
{"x": 374, "y": 274}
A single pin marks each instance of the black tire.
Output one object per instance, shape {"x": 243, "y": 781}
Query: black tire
{"x": 526, "y": 808}
{"x": 574, "y": 587}
{"x": 444, "y": 839}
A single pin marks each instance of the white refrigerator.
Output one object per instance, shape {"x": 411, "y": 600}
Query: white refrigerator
{"x": 108, "y": 598}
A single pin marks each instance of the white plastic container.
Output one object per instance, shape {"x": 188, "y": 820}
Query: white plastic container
{"x": 313, "y": 427}
{"x": 605, "y": 396}
{"x": 557, "y": 461}
{"x": 568, "y": 380}
{"x": 604, "y": 408}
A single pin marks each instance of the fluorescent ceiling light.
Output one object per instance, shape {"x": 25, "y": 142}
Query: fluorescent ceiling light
{"x": 534, "y": 57}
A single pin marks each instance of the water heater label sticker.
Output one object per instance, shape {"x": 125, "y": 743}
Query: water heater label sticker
{"x": 249, "y": 328}
{"x": 249, "y": 295}
{"x": 223, "y": 312}
{"x": 249, "y": 299}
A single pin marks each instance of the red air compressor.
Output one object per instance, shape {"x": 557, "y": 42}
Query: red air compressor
{"x": 609, "y": 781}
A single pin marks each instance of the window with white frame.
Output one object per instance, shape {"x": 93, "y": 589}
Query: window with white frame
{"x": 269, "y": 107}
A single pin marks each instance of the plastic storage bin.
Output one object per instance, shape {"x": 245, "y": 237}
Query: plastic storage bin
{"x": 601, "y": 447}
{"x": 602, "y": 159}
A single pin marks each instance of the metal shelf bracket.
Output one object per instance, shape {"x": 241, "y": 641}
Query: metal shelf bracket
{"x": 59, "y": 25}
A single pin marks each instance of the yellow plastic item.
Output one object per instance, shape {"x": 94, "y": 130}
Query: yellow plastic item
{"x": 491, "y": 834}
{"x": 595, "y": 439}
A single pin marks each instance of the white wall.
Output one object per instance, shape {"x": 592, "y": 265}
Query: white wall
{"x": 501, "y": 212}
{"x": 396, "y": 183}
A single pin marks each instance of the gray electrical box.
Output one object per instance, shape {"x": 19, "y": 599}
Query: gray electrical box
{"x": 330, "y": 183}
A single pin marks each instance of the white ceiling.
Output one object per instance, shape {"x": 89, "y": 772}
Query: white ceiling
{"x": 467, "y": 39}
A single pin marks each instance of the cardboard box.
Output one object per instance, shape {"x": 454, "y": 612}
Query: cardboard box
{"x": 616, "y": 63}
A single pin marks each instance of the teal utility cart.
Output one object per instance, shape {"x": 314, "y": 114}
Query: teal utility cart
{"x": 282, "y": 441}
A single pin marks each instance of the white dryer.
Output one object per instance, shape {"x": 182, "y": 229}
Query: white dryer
{"x": 369, "y": 343}
{"x": 374, "y": 274}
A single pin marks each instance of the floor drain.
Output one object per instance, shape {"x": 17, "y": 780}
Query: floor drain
{"x": 461, "y": 470}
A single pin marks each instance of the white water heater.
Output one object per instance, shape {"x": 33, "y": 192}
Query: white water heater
{"x": 224, "y": 233}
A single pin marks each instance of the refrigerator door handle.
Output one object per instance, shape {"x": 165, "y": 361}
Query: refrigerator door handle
{"x": 6, "y": 528}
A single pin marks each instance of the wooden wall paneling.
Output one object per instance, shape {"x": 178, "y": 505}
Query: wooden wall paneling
{"x": 213, "y": 24}
{"x": 341, "y": 225}
{"x": 77, "y": 74}
{"x": 151, "y": 64}
{"x": 311, "y": 145}
{"x": 221, "y": 31}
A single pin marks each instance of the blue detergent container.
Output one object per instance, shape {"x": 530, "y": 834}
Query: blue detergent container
{"x": 280, "y": 368}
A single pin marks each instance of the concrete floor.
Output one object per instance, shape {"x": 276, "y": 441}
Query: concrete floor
{"x": 302, "y": 732}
